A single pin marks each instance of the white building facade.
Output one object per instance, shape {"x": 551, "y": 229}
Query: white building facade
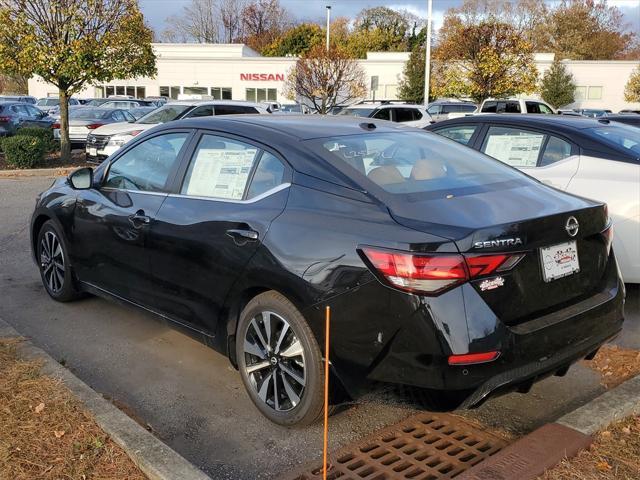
{"x": 235, "y": 71}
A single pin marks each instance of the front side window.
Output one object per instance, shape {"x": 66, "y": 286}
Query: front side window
{"x": 414, "y": 163}
{"x": 357, "y": 112}
{"x": 147, "y": 166}
{"x": 545, "y": 109}
{"x": 533, "y": 107}
{"x": 460, "y": 133}
{"x": 202, "y": 111}
{"x": 404, "y": 115}
{"x": 383, "y": 114}
{"x": 490, "y": 107}
{"x": 220, "y": 168}
{"x": 515, "y": 147}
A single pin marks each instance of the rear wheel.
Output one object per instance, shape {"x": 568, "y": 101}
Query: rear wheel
{"x": 53, "y": 262}
{"x": 279, "y": 361}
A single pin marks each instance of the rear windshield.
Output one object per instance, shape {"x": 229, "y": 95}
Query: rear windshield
{"x": 89, "y": 113}
{"x": 164, "y": 114}
{"x": 416, "y": 162}
{"x": 357, "y": 112}
{"x": 48, "y": 102}
{"x": 620, "y": 136}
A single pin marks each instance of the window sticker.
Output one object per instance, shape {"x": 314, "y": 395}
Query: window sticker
{"x": 516, "y": 150}
{"x": 220, "y": 173}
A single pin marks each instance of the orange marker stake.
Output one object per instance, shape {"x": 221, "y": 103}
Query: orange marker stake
{"x": 326, "y": 392}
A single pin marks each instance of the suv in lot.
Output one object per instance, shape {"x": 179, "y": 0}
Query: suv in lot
{"x": 106, "y": 140}
{"x": 15, "y": 115}
{"x": 444, "y": 110}
{"x": 516, "y": 105}
{"x": 409, "y": 114}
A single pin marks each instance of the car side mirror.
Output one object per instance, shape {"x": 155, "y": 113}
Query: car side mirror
{"x": 81, "y": 179}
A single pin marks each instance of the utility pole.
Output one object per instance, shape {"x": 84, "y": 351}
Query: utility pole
{"x": 329, "y": 24}
{"x": 427, "y": 67}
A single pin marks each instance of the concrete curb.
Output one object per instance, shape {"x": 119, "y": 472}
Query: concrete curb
{"x": 38, "y": 172}
{"x": 620, "y": 402}
{"x": 156, "y": 460}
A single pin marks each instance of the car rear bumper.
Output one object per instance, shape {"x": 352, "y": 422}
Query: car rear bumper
{"x": 430, "y": 330}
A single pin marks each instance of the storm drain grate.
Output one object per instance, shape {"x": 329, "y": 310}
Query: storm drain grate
{"x": 427, "y": 446}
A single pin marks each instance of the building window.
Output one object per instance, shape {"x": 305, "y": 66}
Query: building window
{"x": 262, "y": 94}
{"x": 595, "y": 93}
{"x": 580, "y": 93}
{"x": 109, "y": 90}
{"x": 221, "y": 93}
{"x": 195, "y": 91}
{"x": 170, "y": 92}
{"x": 129, "y": 90}
{"x": 141, "y": 92}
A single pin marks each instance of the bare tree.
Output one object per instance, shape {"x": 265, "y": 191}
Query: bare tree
{"x": 262, "y": 22}
{"x": 231, "y": 19}
{"x": 198, "y": 22}
{"x": 325, "y": 79}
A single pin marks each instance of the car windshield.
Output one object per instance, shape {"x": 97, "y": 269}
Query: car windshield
{"x": 357, "y": 112}
{"x": 89, "y": 113}
{"x": 621, "y": 135}
{"x": 164, "y": 114}
{"x": 96, "y": 102}
{"x": 416, "y": 162}
{"x": 48, "y": 102}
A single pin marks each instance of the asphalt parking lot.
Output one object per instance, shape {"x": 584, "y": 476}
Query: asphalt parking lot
{"x": 189, "y": 395}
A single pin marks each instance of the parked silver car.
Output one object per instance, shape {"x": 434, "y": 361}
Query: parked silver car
{"x": 84, "y": 120}
{"x": 16, "y": 115}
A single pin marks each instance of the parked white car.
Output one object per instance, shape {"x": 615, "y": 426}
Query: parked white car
{"x": 516, "y": 105}
{"x": 597, "y": 159}
{"x": 409, "y": 114}
{"x": 105, "y": 141}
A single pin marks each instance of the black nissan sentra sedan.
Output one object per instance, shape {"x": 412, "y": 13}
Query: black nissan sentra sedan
{"x": 444, "y": 269}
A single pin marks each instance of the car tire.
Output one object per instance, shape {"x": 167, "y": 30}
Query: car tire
{"x": 282, "y": 372}
{"x": 53, "y": 263}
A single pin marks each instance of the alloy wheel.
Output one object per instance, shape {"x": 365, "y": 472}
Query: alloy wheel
{"x": 274, "y": 361}
{"x": 52, "y": 262}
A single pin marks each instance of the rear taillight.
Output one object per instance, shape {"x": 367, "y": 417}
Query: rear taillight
{"x": 55, "y": 126}
{"x": 93, "y": 126}
{"x": 608, "y": 237}
{"x": 432, "y": 274}
{"x": 473, "y": 358}
{"x": 5, "y": 119}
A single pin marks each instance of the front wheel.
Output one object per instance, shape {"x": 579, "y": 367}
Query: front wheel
{"x": 279, "y": 361}
{"x": 53, "y": 262}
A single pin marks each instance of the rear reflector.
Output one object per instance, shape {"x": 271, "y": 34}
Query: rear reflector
{"x": 431, "y": 274}
{"x": 473, "y": 358}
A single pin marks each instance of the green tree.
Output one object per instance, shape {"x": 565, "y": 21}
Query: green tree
{"x": 295, "y": 41}
{"x": 632, "y": 88}
{"x": 325, "y": 78}
{"x": 378, "y": 29}
{"x": 490, "y": 59}
{"x": 72, "y": 43}
{"x": 411, "y": 86}
{"x": 557, "y": 86}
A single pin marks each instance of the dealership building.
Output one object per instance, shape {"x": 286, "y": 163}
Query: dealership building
{"x": 235, "y": 71}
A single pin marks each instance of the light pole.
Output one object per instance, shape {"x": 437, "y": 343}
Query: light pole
{"x": 328, "y": 24}
{"x": 427, "y": 65}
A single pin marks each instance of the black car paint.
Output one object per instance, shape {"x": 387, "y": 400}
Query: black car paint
{"x": 309, "y": 235}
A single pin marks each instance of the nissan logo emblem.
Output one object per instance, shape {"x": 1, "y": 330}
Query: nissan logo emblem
{"x": 572, "y": 226}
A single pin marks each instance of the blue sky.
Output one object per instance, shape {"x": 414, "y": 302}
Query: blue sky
{"x": 156, "y": 11}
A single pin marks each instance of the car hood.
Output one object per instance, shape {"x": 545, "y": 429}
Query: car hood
{"x": 122, "y": 128}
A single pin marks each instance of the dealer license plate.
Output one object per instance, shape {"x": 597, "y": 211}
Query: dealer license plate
{"x": 559, "y": 260}
{"x": 92, "y": 152}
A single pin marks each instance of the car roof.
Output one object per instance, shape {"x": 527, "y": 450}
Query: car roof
{"x": 214, "y": 102}
{"x": 566, "y": 122}
{"x": 382, "y": 104}
{"x": 300, "y": 127}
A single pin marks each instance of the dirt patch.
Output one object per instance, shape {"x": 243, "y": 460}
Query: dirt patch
{"x": 52, "y": 160}
{"x": 46, "y": 434}
{"x": 615, "y": 365}
{"x": 614, "y": 455}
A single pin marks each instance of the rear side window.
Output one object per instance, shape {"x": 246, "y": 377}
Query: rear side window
{"x": 414, "y": 162}
{"x": 555, "y": 150}
{"x": 508, "y": 107}
{"x": 229, "y": 109}
{"x": 513, "y": 146}
{"x": 533, "y": 107}
{"x": 268, "y": 175}
{"x": 460, "y": 133}
{"x": 220, "y": 168}
{"x": 404, "y": 114}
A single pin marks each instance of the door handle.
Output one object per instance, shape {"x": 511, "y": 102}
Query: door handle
{"x": 242, "y": 236}
{"x": 139, "y": 219}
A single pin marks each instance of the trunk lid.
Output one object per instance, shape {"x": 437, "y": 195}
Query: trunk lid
{"x": 525, "y": 219}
